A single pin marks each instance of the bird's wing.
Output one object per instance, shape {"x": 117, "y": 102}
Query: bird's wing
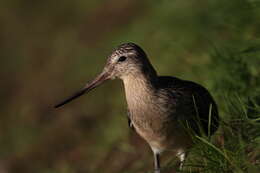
{"x": 190, "y": 102}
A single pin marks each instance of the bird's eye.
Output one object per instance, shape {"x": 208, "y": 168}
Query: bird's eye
{"x": 121, "y": 59}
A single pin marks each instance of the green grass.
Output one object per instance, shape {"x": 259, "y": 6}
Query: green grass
{"x": 235, "y": 148}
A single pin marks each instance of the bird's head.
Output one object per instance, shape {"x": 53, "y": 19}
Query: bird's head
{"x": 127, "y": 59}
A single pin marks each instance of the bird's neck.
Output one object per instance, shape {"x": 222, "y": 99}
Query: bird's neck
{"x": 139, "y": 90}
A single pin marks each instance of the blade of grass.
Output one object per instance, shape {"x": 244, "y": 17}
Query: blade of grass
{"x": 219, "y": 151}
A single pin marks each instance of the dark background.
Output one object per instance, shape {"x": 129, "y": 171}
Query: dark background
{"x": 50, "y": 49}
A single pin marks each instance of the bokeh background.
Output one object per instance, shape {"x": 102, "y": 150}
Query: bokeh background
{"x": 50, "y": 49}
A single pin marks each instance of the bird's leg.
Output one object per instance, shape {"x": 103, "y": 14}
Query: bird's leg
{"x": 156, "y": 163}
{"x": 181, "y": 155}
{"x": 130, "y": 124}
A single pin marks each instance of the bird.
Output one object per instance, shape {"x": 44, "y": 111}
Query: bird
{"x": 163, "y": 110}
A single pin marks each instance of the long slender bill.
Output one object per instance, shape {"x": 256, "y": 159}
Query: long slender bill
{"x": 89, "y": 86}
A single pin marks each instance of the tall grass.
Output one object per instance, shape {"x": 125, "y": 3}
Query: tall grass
{"x": 235, "y": 148}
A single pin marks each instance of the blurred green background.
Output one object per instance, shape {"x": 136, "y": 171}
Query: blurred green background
{"x": 49, "y": 49}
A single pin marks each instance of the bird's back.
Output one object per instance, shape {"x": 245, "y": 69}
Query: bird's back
{"x": 189, "y": 103}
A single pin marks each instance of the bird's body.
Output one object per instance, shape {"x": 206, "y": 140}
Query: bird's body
{"x": 163, "y": 110}
{"x": 160, "y": 110}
